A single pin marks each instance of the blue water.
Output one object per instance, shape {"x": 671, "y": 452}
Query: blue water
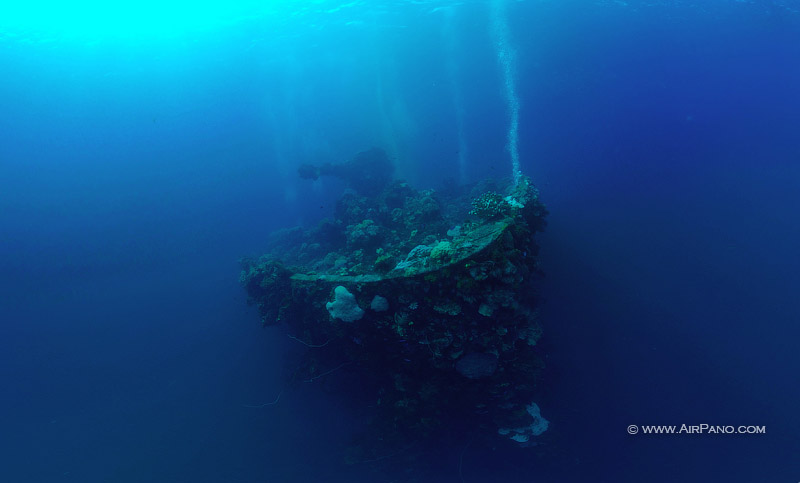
{"x": 134, "y": 174}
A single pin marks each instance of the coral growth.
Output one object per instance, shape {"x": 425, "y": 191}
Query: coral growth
{"x": 452, "y": 327}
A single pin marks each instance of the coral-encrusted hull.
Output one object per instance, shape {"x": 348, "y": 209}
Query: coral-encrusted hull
{"x": 453, "y": 331}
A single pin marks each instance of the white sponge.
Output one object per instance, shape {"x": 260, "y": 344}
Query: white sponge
{"x": 344, "y": 306}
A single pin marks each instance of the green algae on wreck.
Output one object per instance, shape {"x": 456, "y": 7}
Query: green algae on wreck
{"x": 424, "y": 298}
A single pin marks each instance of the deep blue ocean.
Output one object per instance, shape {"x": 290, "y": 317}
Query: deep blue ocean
{"x": 136, "y": 168}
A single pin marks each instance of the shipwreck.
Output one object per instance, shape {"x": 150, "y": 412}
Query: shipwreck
{"x": 426, "y": 298}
